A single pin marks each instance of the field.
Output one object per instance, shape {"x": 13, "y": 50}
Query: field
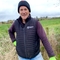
{"x": 52, "y": 29}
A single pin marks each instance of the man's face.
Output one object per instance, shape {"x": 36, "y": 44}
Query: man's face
{"x": 24, "y": 12}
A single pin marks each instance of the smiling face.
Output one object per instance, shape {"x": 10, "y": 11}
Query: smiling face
{"x": 24, "y": 12}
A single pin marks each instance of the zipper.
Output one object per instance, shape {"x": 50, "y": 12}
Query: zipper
{"x": 24, "y": 41}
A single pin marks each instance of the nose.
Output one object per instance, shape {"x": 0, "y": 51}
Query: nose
{"x": 23, "y": 11}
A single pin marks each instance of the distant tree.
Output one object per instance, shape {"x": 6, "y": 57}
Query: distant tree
{"x": 36, "y": 17}
{"x": 10, "y": 21}
{"x": 46, "y": 16}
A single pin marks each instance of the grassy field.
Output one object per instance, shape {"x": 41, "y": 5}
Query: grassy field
{"x": 4, "y": 30}
{"x": 52, "y": 24}
{"x": 7, "y": 50}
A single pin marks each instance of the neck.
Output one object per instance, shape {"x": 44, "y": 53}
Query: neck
{"x": 23, "y": 21}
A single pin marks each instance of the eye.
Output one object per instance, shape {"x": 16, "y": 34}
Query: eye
{"x": 21, "y": 9}
{"x": 25, "y": 9}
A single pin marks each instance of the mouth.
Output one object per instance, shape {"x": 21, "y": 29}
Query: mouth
{"x": 24, "y": 14}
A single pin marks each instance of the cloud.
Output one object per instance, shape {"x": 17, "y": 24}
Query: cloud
{"x": 8, "y": 8}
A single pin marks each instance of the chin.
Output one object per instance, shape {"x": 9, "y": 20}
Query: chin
{"x": 24, "y": 18}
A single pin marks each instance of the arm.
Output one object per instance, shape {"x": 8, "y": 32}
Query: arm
{"x": 11, "y": 32}
{"x": 42, "y": 36}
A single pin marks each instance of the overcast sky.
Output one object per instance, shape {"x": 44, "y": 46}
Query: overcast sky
{"x": 40, "y": 8}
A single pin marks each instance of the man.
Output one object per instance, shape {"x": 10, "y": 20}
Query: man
{"x": 29, "y": 32}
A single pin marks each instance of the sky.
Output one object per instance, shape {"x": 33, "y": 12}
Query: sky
{"x": 39, "y": 8}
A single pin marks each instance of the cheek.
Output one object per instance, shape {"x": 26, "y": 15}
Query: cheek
{"x": 26, "y": 13}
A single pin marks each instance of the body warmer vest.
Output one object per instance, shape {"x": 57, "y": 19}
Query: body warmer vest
{"x": 28, "y": 43}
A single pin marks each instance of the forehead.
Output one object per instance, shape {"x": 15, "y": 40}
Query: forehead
{"x": 23, "y": 7}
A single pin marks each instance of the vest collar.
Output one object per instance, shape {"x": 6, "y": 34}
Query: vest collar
{"x": 20, "y": 19}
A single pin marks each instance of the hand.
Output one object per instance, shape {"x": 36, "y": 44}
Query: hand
{"x": 52, "y": 58}
{"x": 14, "y": 43}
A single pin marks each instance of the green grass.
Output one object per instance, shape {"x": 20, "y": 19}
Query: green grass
{"x": 4, "y": 30}
{"x": 50, "y": 22}
{"x": 58, "y": 57}
{"x": 4, "y": 27}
